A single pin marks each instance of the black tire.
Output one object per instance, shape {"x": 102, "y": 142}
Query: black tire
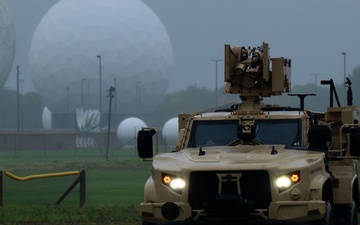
{"x": 329, "y": 216}
{"x": 346, "y": 214}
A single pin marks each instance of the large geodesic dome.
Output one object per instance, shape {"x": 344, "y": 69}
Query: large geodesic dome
{"x": 7, "y": 42}
{"x": 81, "y": 44}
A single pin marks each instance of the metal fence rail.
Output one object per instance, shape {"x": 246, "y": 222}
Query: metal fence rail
{"x": 41, "y": 188}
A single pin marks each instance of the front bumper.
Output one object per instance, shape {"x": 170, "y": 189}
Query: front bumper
{"x": 301, "y": 211}
{"x": 281, "y": 212}
{"x": 157, "y": 212}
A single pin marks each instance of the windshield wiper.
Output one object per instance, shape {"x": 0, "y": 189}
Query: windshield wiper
{"x": 234, "y": 142}
{"x": 238, "y": 141}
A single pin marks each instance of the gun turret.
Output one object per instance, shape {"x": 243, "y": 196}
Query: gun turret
{"x": 253, "y": 74}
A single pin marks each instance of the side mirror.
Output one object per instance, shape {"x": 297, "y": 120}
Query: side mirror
{"x": 319, "y": 136}
{"x": 355, "y": 141}
{"x": 145, "y": 143}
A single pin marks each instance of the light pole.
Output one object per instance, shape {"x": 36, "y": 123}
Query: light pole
{"x": 216, "y": 79}
{"x": 82, "y": 91}
{"x": 99, "y": 56}
{"x": 21, "y": 114}
{"x": 17, "y": 145}
{"x": 315, "y": 75}
{"x": 115, "y": 101}
{"x": 68, "y": 108}
{"x": 67, "y": 100}
{"x": 88, "y": 94}
{"x": 344, "y": 54}
{"x": 137, "y": 95}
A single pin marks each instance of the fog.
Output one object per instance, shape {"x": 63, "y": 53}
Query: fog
{"x": 312, "y": 34}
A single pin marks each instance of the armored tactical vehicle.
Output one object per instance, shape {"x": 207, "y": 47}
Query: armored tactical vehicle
{"x": 254, "y": 163}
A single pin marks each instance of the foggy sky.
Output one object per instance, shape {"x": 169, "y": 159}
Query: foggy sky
{"x": 312, "y": 33}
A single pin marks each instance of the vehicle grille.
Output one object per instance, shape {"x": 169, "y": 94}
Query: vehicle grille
{"x": 254, "y": 187}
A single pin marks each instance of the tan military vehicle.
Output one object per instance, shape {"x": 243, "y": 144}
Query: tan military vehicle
{"x": 256, "y": 163}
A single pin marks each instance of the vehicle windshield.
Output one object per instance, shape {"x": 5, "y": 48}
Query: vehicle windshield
{"x": 287, "y": 132}
{"x": 213, "y": 132}
{"x": 223, "y": 132}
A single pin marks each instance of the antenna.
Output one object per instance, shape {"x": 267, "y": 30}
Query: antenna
{"x": 302, "y": 98}
{"x": 349, "y": 92}
{"x": 332, "y": 91}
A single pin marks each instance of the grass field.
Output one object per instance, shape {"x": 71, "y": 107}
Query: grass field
{"x": 114, "y": 188}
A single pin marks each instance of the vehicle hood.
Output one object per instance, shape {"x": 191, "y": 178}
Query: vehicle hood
{"x": 237, "y": 157}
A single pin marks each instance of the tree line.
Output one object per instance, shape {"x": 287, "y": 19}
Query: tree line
{"x": 192, "y": 99}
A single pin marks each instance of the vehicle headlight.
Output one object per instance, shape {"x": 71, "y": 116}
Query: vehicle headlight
{"x": 176, "y": 183}
{"x": 285, "y": 181}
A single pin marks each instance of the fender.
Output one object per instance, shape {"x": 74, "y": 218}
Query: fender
{"x": 321, "y": 188}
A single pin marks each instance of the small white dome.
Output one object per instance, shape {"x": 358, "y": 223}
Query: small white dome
{"x": 170, "y": 131}
{"x": 128, "y": 129}
{"x": 46, "y": 118}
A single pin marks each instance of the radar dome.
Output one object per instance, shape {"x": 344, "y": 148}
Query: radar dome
{"x": 7, "y": 42}
{"x": 81, "y": 44}
{"x": 128, "y": 129}
{"x": 170, "y": 131}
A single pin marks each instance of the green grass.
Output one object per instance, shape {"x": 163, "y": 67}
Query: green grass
{"x": 111, "y": 214}
{"x": 114, "y": 188}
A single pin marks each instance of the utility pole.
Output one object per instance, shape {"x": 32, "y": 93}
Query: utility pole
{"x": 111, "y": 95}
